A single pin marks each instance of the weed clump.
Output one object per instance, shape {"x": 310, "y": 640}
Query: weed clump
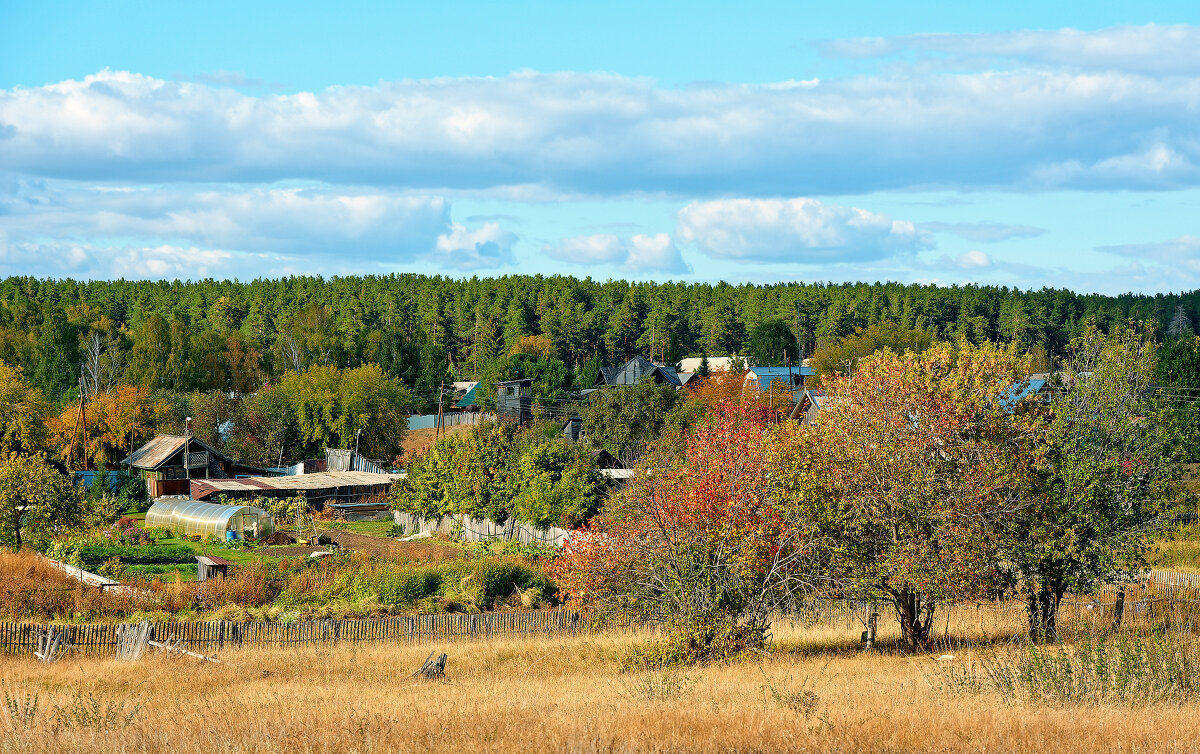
{"x": 1094, "y": 670}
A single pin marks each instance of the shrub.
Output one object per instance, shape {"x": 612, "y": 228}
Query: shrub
{"x": 112, "y": 568}
{"x": 1130, "y": 670}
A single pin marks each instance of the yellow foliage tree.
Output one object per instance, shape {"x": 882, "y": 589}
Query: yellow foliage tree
{"x": 117, "y": 420}
{"x": 23, "y": 412}
{"x": 537, "y": 346}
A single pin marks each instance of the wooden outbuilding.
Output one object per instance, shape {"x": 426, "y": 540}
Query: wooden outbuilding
{"x": 211, "y": 567}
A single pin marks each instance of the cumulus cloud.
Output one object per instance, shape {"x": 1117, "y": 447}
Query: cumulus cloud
{"x": 165, "y": 261}
{"x": 985, "y": 232}
{"x": 1152, "y": 48}
{"x": 353, "y": 223}
{"x": 638, "y": 253}
{"x": 234, "y": 229}
{"x": 800, "y": 230}
{"x": 571, "y": 133}
{"x": 486, "y": 246}
{"x": 973, "y": 260}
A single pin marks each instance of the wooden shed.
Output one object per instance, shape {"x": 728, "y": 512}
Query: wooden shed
{"x": 211, "y": 567}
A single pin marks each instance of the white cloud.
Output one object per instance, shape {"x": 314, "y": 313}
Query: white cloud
{"x": 638, "y": 253}
{"x": 352, "y": 222}
{"x": 341, "y": 229}
{"x": 486, "y": 246}
{"x": 1180, "y": 254}
{"x": 803, "y": 231}
{"x": 984, "y": 232}
{"x": 974, "y": 259}
{"x": 1151, "y": 48}
{"x": 84, "y": 260}
{"x": 531, "y": 134}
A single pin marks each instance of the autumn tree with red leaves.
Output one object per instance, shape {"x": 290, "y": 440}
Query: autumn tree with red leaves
{"x": 910, "y": 472}
{"x": 696, "y": 544}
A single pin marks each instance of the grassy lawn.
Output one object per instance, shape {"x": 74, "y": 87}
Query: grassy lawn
{"x": 815, "y": 693}
{"x": 1178, "y": 549}
{"x": 367, "y": 528}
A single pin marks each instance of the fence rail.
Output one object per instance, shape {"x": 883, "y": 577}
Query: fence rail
{"x": 219, "y": 634}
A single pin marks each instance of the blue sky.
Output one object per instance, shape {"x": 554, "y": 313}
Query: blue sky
{"x": 1022, "y": 145}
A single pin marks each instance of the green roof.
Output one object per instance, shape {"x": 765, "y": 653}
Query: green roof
{"x": 468, "y": 399}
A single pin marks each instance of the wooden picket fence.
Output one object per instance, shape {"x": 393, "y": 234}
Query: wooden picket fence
{"x": 214, "y": 635}
{"x": 1175, "y": 579}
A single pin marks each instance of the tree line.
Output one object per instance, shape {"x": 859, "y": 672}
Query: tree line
{"x": 424, "y": 331}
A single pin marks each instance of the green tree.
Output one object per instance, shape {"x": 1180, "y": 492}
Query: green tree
{"x": 624, "y": 420}
{"x": 33, "y": 499}
{"x": 772, "y": 342}
{"x": 843, "y": 355}
{"x": 332, "y": 405}
{"x": 55, "y": 356}
{"x": 554, "y": 483}
{"x": 147, "y": 360}
{"x": 1110, "y": 464}
{"x": 264, "y": 429}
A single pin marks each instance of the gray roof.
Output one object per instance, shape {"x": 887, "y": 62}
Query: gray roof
{"x": 162, "y": 448}
{"x": 635, "y": 370}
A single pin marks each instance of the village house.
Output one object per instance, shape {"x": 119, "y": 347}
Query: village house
{"x": 635, "y": 370}
{"x": 168, "y": 463}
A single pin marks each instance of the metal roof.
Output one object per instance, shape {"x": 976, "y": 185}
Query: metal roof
{"x": 469, "y": 398}
{"x": 155, "y": 452}
{"x": 212, "y": 560}
{"x": 1014, "y": 395}
{"x": 791, "y": 376}
{"x": 318, "y": 481}
{"x": 632, "y": 372}
{"x": 783, "y": 371}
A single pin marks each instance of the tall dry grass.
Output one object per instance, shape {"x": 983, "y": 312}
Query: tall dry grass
{"x": 814, "y": 693}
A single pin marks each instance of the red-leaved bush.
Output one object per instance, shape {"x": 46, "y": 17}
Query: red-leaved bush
{"x": 694, "y": 542}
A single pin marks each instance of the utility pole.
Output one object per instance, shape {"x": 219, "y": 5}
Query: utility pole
{"x": 438, "y": 432}
{"x": 357, "y": 435}
{"x": 80, "y": 421}
{"x": 187, "y": 448}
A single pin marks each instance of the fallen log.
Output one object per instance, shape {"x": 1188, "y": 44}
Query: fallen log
{"x": 173, "y": 648}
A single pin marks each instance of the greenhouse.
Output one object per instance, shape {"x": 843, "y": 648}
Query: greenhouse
{"x": 189, "y": 517}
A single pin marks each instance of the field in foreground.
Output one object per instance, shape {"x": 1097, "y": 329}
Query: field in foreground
{"x": 542, "y": 694}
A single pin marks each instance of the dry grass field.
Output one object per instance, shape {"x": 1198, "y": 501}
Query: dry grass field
{"x": 560, "y": 694}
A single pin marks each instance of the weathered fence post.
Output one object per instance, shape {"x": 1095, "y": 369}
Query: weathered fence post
{"x": 131, "y": 640}
{"x": 868, "y": 636}
{"x": 51, "y": 644}
{"x": 1118, "y": 611}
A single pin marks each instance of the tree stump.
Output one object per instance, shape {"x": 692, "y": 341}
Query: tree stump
{"x": 433, "y": 668}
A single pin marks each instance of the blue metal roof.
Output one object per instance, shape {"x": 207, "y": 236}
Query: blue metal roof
{"x": 1016, "y": 394}
{"x": 767, "y": 375}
